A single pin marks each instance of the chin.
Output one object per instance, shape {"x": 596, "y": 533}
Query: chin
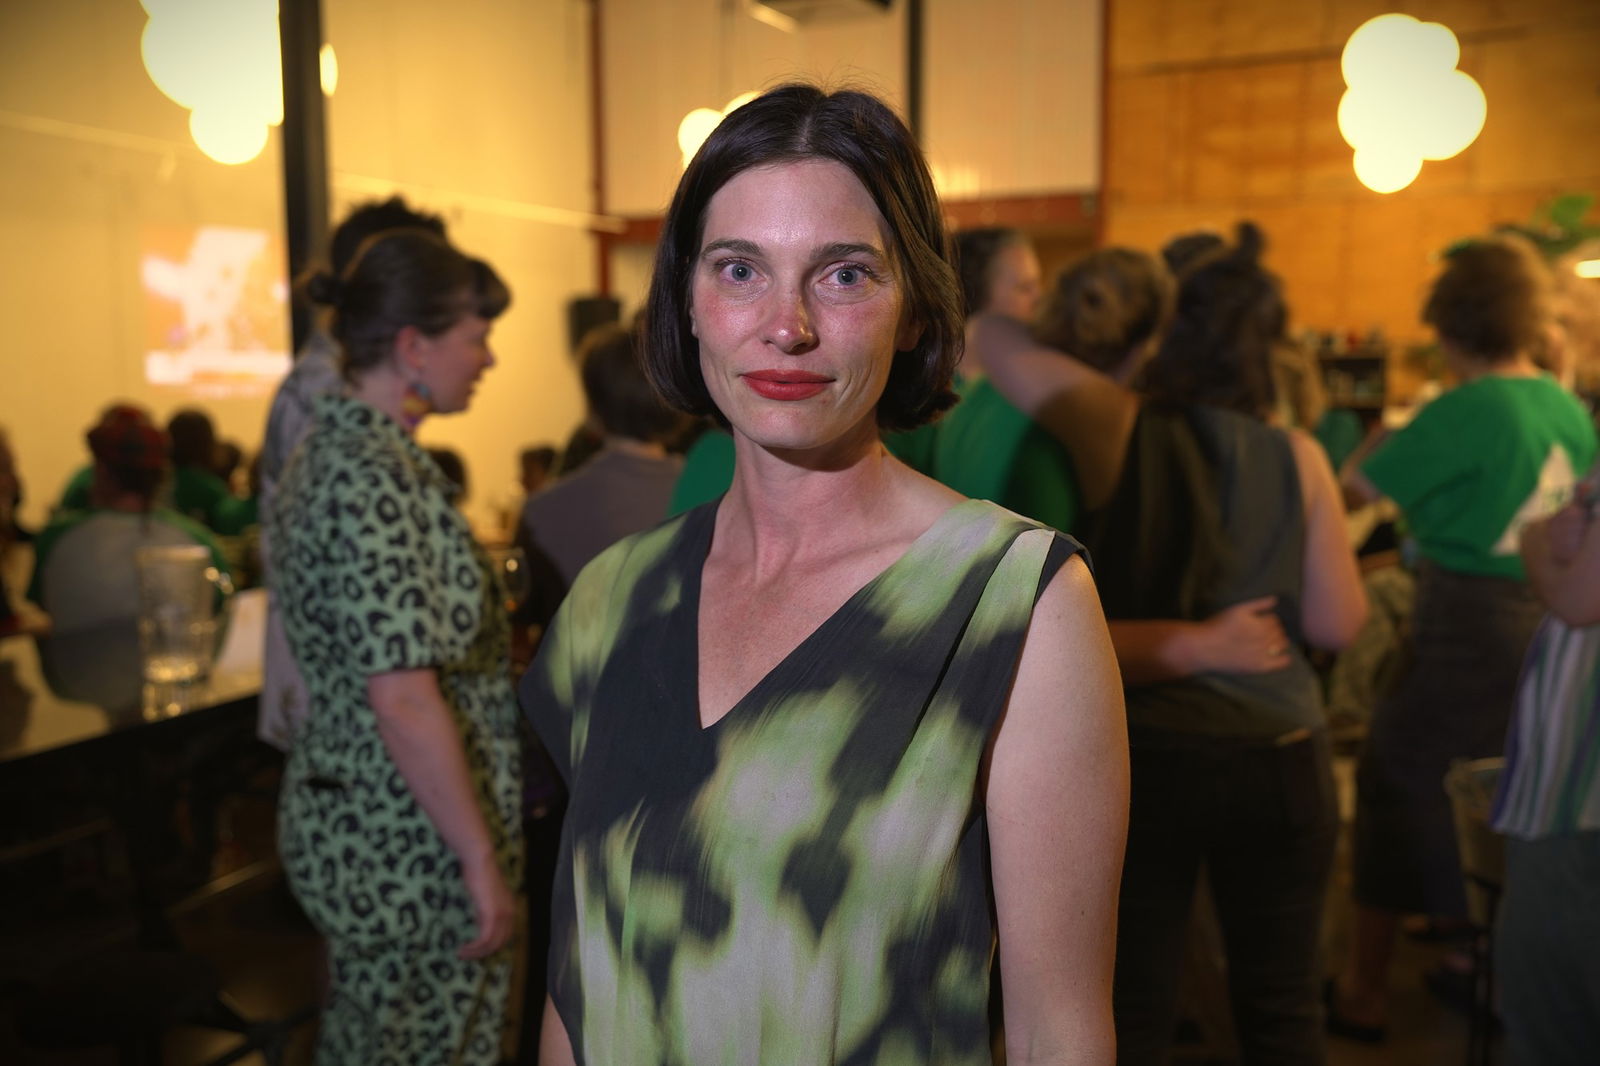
{"x": 789, "y": 433}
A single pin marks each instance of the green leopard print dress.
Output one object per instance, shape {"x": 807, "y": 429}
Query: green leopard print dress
{"x": 805, "y": 880}
{"x": 378, "y": 572}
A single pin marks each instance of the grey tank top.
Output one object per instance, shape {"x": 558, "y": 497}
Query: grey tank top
{"x": 1208, "y": 513}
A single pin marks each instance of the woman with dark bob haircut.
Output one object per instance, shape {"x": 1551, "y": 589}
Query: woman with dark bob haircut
{"x": 827, "y": 735}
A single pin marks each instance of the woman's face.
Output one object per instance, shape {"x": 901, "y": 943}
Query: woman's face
{"x": 452, "y": 362}
{"x": 797, "y": 306}
{"x": 1015, "y": 282}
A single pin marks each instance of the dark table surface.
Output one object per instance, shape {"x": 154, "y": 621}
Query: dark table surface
{"x": 63, "y": 692}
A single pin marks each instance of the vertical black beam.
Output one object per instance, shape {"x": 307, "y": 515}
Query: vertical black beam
{"x": 305, "y": 145}
{"x": 914, "y": 68}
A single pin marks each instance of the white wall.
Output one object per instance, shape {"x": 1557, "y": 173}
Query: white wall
{"x": 663, "y": 58}
{"x": 92, "y": 157}
{"x": 1011, "y": 100}
{"x": 477, "y": 109}
{"x": 1012, "y": 96}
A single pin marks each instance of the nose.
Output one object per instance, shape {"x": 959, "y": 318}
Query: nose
{"x": 788, "y": 326}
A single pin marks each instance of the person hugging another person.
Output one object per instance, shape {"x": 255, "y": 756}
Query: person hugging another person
{"x": 84, "y": 572}
{"x": 1220, "y": 554}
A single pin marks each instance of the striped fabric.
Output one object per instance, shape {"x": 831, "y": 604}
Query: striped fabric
{"x": 1551, "y": 783}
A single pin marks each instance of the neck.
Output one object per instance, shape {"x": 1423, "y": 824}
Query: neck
{"x": 635, "y": 446}
{"x": 784, "y": 508}
{"x": 125, "y": 502}
{"x": 1520, "y": 365}
{"x": 383, "y": 388}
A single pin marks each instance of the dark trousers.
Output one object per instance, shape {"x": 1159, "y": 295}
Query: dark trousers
{"x": 1263, "y": 820}
{"x": 1548, "y": 950}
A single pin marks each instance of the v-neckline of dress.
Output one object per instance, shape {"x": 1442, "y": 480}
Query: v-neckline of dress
{"x": 700, "y": 547}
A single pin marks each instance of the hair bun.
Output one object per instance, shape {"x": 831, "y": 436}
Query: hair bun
{"x": 1250, "y": 242}
{"x": 325, "y": 289}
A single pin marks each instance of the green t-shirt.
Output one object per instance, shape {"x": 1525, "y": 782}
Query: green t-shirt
{"x": 990, "y": 450}
{"x": 75, "y": 497}
{"x": 1480, "y": 462}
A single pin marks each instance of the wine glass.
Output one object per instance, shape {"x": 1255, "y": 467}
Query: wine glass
{"x": 511, "y": 565}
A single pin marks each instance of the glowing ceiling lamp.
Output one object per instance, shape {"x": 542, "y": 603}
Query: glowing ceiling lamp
{"x": 698, "y": 124}
{"x": 328, "y": 65}
{"x": 1406, "y": 102}
{"x": 221, "y": 61}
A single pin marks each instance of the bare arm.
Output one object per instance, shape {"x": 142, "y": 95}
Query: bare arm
{"x": 1562, "y": 557}
{"x": 1057, "y": 802}
{"x": 1333, "y": 603}
{"x": 1089, "y": 413}
{"x": 420, "y": 736}
{"x": 555, "y": 1047}
{"x": 1246, "y": 638}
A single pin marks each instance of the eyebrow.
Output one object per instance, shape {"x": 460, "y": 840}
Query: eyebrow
{"x": 837, "y": 250}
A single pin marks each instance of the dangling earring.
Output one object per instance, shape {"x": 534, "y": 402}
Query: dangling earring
{"x": 416, "y": 403}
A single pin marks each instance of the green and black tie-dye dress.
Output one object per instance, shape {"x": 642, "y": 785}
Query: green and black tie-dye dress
{"x": 805, "y": 881}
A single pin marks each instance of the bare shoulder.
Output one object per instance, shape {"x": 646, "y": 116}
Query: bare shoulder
{"x": 1070, "y": 600}
{"x": 1067, "y": 658}
{"x": 1308, "y": 453}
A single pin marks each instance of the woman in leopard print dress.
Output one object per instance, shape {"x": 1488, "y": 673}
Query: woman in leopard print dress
{"x": 399, "y": 821}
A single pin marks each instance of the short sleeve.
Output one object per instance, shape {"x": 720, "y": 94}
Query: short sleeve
{"x": 407, "y": 591}
{"x": 1424, "y": 455}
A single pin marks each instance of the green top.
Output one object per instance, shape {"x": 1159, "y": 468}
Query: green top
{"x": 990, "y": 450}
{"x": 804, "y": 881}
{"x": 199, "y": 494}
{"x": 1480, "y": 462}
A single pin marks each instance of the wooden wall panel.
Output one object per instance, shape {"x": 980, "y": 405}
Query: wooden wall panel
{"x": 1226, "y": 109}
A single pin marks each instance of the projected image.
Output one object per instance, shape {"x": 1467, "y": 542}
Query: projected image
{"x": 217, "y": 303}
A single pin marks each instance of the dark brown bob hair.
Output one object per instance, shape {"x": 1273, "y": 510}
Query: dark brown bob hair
{"x": 399, "y": 278}
{"x": 789, "y": 124}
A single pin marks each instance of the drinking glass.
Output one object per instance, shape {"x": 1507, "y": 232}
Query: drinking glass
{"x": 511, "y": 566}
{"x": 178, "y": 596}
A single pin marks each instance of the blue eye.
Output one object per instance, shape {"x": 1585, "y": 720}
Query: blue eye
{"x": 848, "y": 275}
{"x": 740, "y": 272}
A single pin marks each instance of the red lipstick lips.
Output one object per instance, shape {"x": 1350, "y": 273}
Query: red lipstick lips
{"x": 785, "y": 384}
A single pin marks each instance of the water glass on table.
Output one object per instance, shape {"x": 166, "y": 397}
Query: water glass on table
{"x": 179, "y": 592}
